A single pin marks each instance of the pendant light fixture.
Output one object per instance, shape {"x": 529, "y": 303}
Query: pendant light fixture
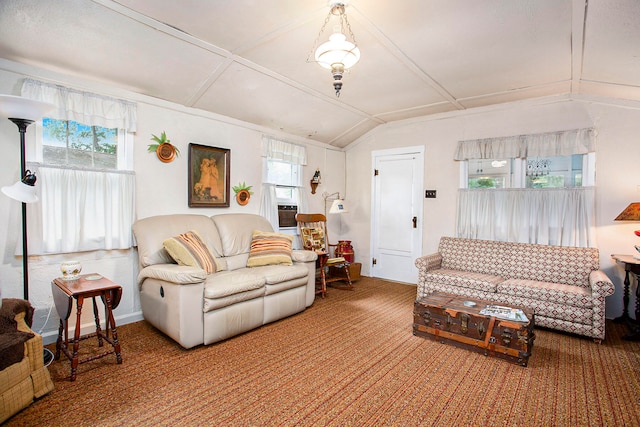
{"x": 339, "y": 53}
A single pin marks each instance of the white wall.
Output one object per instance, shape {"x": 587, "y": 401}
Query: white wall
{"x": 161, "y": 188}
{"x": 617, "y": 171}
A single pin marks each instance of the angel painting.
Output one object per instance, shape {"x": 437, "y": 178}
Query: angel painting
{"x": 208, "y": 176}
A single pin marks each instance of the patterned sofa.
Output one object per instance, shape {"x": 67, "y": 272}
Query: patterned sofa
{"x": 563, "y": 285}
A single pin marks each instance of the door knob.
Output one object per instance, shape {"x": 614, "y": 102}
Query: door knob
{"x": 415, "y": 222}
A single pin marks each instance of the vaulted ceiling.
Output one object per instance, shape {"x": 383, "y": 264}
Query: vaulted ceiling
{"x": 247, "y": 59}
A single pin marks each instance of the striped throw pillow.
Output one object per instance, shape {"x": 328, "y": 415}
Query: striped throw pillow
{"x": 190, "y": 249}
{"x": 268, "y": 248}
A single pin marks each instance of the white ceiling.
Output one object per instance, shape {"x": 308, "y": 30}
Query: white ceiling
{"x": 247, "y": 59}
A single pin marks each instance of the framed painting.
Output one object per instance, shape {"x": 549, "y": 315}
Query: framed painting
{"x": 209, "y": 171}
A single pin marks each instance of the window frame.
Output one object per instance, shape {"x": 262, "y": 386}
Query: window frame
{"x": 298, "y": 173}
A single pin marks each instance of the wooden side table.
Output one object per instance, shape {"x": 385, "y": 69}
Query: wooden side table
{"x": 87, "y": 286}
{"x": 631, "y": 265}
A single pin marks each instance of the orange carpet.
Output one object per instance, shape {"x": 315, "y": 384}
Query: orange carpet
{"x": 349, "y": 360}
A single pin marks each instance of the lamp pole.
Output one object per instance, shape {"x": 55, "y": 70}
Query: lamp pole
{"x": 22, "y": 128}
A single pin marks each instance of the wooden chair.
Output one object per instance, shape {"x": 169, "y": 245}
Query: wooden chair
{"x": 313, "y": 233}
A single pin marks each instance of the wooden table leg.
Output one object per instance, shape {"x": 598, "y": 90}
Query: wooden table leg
{"x": 625, "y": 300}
{"x": 96, "y": 318}
{"x": 634, "y": 325}
{"x": 114, "y": 333}
{"x": 61, "y": 328}
{"x": 76, "y": 339}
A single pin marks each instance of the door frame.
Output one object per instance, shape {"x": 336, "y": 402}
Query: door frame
{"x": 418, "y": 150}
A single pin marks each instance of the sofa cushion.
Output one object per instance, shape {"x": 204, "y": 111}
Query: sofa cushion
{"x": 556, "y": 264}
{"x": 281, "y": 273}
{"x": 465, "y": 279}
{"x": 227, "y": 283}
{"x": 189, "y": 249}
{"x": 268, "y": 248}
{"x": 236, "y": 231}
{"x": 542, "y": 308}
{"x": 150, "y": 232}
{"x": 211, "y": 304}
{"x": 575, "y": 296}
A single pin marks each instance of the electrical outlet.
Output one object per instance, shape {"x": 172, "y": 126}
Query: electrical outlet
{"x": 430, "y": 194}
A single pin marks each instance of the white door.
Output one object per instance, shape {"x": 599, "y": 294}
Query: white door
{"x": 396, "y": 222}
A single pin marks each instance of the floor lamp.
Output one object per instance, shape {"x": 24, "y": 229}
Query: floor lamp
{"x": 338, "y": 205}
{"x": 22, "y": 112}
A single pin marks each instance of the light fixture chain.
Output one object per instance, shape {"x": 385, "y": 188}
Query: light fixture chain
{"x": 315, "y": 43}
{"x": 348, "y": 26}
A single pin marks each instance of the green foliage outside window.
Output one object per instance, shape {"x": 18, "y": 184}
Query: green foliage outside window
{"x": 486, "y": 182}
{"x": 66, "y": 142}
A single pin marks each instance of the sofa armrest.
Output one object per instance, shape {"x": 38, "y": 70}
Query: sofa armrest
{"x": 174, "y": 273}
{"x": 600, "y": 283}
{"x": 429, "y": 262}
{"x": 302, "y": 255}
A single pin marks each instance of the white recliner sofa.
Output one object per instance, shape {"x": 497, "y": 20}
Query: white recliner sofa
{"x": 193, "y": 307}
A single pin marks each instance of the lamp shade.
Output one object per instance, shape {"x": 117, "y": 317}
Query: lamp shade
{"x": 337, "y": 51}
{"x": 21, "y": 192}
{"x": 338, "y": 206}
{"x": 631, "y": 213}
{"x": 17, "y": 107}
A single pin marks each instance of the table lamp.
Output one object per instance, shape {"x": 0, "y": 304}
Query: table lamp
{"x": 631, "y": 213}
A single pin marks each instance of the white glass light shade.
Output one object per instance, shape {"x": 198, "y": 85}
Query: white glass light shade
{"x": 21, "y": 192}
{"x": 338, "y": 206}
{"x": 337, "y": 51}
{"x": 17, "y": 107}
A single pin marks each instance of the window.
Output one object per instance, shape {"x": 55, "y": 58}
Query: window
{"x": 282, "y": 170}
{"x": 83, "y": 161}
{"x": 69, "y": 143}
{"x": 489, "y": 173}
{"x": 65, "y": 142}
{"x": 532, "y": 172}
{"x": 528, "y": 188}
{"x": 286, "y": 177}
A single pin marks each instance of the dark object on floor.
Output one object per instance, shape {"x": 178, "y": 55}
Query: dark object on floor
{"x": 11, "y": 339}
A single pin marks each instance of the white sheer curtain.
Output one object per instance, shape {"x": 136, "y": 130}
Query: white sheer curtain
{"x": 269, "y": 204}
{"x": 83, "y": 107}
{"x": 81, "y": 209}
{"x": 551, "y": 216}
{"x": 85, "y": 210}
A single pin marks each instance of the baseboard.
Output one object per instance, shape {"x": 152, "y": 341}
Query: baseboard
{"x": 52, "y": 336}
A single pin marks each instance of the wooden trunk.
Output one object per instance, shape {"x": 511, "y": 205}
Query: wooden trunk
{"x": 454, "y": 320}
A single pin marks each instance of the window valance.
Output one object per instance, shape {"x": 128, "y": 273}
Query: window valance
{"x": 562, "y": 143}
{"x": 276, "y": 149}
{"x": 83, "y": 107}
